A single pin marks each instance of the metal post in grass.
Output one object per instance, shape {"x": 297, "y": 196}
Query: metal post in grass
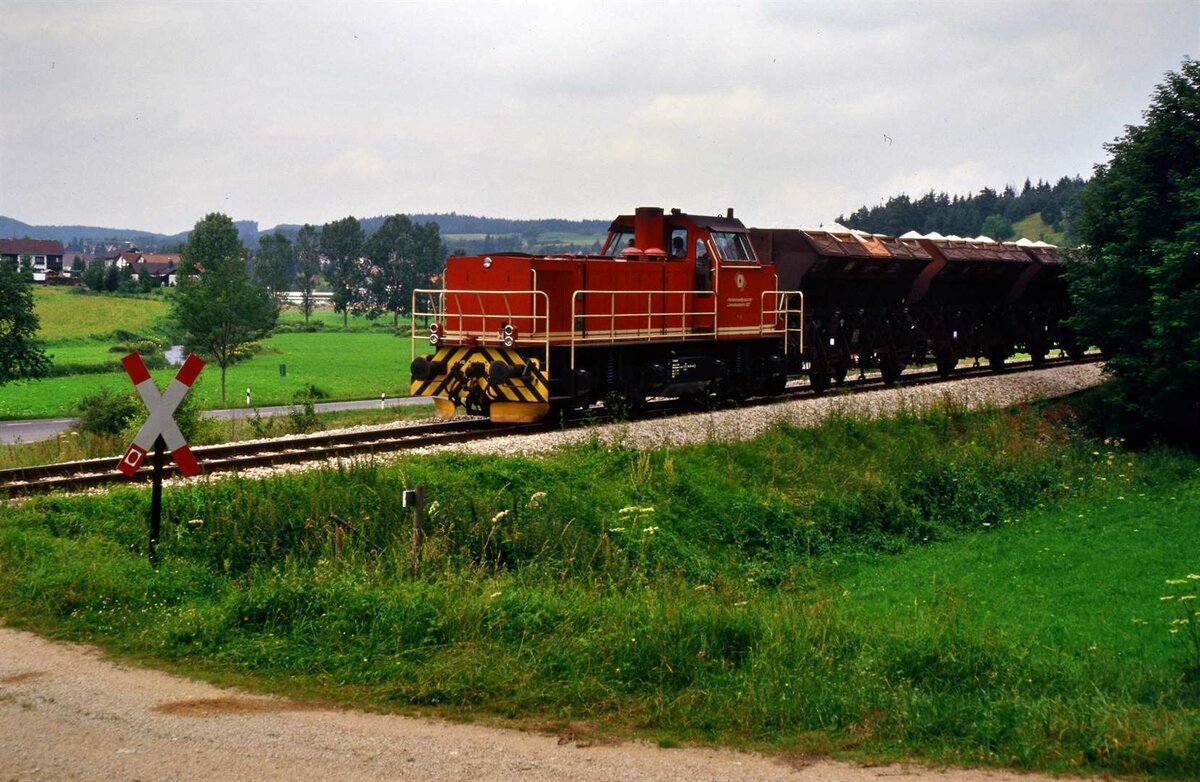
{"x": 415, "y": 498}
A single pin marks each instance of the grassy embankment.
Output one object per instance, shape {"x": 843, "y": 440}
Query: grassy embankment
{"x": 971, "y": 588}
{"x": 86, "y": 335}
{"x": 1036, "y": 229}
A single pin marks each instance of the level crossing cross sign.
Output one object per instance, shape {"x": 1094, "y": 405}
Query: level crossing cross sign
{"x": 162, "y": 410}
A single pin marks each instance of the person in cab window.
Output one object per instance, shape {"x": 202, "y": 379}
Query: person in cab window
{"x": 703, "y": 267}
{"x": 678, "y": 250}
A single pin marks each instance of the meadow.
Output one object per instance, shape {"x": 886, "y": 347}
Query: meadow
{"x": 86, "y": 336}
{"x": 969, "y": 588}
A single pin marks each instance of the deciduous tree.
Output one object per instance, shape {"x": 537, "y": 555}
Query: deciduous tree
{"x": 342, "y": 245}
{"x": 20, "y": 356}
{"x": 219, "y": 309}
{"x": 274, "y": 262}
{"x": 404, "y": 256}
{"x": 308, "y": 267}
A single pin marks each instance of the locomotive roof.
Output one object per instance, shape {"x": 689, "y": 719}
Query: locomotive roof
{"x": 712, "y": 223}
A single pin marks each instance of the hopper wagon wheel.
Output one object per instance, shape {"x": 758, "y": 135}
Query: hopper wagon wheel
{"x": 1037, "y": 352}
{"x": 819, "y": 380}
{"x": 946, "y": 361}
{"x": 996, "y": 356}
{"x": 890, "y": 368}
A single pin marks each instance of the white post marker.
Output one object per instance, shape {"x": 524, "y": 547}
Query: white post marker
{"x": 162, "y": 410}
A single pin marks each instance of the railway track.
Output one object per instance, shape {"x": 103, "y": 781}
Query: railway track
{"x": 234, "y": 457}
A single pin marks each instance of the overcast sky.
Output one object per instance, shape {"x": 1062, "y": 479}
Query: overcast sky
{"x": 151, "y": 114}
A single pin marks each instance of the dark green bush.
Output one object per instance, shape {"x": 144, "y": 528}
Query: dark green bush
{"x": 109, "y": 413}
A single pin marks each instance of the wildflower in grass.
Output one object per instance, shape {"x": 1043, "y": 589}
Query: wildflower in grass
{"x": 433, "y": 508}
{"x": 196, "y": 522}
{"x": 701, "y": 654}
{"x": 499, "y": 516}
{"x": 536, "y": 499}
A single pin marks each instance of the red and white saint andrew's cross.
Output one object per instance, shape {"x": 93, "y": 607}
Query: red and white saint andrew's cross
{"x": 162, "y": 410}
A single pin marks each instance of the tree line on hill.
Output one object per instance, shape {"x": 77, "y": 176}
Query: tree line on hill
{"x": 988, "y": 212}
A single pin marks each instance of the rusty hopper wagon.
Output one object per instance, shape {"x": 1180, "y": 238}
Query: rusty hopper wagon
{"x": 683, "y": 305}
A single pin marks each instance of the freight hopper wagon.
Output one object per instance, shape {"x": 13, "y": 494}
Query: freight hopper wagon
{"x": 874, "y": 301}
{"x": 675, "y": 305}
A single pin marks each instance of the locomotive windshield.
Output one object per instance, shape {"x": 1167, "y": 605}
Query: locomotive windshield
{"x": 733, "y": 246}
{"x": 618, "y": 242}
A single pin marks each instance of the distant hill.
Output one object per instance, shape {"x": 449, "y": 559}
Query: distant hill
{"x": 73, "y": 236}
{"x": 474, "y": 234}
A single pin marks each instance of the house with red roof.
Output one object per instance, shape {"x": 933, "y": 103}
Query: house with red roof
{"x": 161, "y": 268}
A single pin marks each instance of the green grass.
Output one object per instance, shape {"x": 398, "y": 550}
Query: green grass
{"x": 345, "y": 364}
{"x": 965, "y": 588}
{"x": 68, "y": 315}
{"x": 1036, "y": 229}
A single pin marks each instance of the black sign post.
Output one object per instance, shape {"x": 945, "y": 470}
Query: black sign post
{"x": 156, "y": 500}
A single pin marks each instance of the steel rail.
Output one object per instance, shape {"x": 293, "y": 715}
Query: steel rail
{"x": 232, "y": 457}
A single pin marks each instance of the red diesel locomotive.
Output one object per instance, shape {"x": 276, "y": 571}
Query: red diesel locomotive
{"x": 684, "y": 305}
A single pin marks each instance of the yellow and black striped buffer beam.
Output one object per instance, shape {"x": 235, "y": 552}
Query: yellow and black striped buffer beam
{"x": 502, "y": 374}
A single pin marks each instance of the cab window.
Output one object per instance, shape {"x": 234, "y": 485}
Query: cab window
{"x": 678, "y": 244}
{"x": 732, "y": 246}
{"x": 618, "y": 242}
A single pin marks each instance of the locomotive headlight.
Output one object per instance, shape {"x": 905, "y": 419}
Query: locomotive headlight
{"x": 508, "y": 335}
{"x": 487, "y": 262}
{"x": 435, "y": 333}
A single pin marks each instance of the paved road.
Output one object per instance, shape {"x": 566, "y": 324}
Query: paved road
{"x": 37, "y": 429}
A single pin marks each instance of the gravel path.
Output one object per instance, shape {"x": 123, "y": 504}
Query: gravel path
{"x": 67, "y": 713}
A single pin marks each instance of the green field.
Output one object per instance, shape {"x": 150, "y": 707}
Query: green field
{"x": 346, "y": 365}
{"x": 86, "y": 336}
{"x": 65, "y": 314}
{"x": 978, "y": 588}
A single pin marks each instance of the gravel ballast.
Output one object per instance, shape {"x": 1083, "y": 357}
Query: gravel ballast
{"x": 747, "y": 423}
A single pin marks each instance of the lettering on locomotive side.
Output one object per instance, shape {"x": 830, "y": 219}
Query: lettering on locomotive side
{"x": 680, "y": 368}
{"x": 740, "y": 301}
